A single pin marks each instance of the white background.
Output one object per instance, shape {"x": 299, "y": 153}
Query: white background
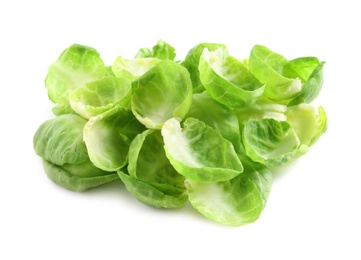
{"x": 314, "y": 208}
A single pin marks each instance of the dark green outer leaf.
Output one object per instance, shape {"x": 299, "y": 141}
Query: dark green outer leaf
{"x": 150, "y": 195}
{"x": 60, "y": 140}
{"x": 72, "y": 182}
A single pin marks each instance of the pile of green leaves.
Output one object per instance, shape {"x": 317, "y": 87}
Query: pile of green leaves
{"x": 208, "y": 129}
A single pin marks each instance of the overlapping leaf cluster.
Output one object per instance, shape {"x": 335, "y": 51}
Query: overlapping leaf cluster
{"x": 208, "y": 129}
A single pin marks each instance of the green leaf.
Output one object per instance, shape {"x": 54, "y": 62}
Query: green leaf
{"x": 101, "y": 95}
{"x": 260, "y": 175}
{"x": 217, "y": 116}
{"x": 60, "y": 140}
{"x": 268, "y": 66}
{"x": 311, "y": 88}
{"x": 151, "y": 195}
{"x": 270, "y": 142}
{"x": 109, "y": 71}
{"x": 228, "y": 80}
{"x": 76, "y": 66}
{"x": 165, "y": 91}
{"x": 132, "y": 69}
{"x": 162, "y": 51}
{"x": 261, "y": 110}
{"x": 107, "y": 138}
{"x": 199, "y": 152}
{"x": 148, "y": 162}
{"x": 72, "y": 181}
{"x": 234, "y": 202}
{"x": 300, "y": 68}
{"x": 308, "y": 123}
{"x": 62, "y": 109}
{"x": 191, "y": 62}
